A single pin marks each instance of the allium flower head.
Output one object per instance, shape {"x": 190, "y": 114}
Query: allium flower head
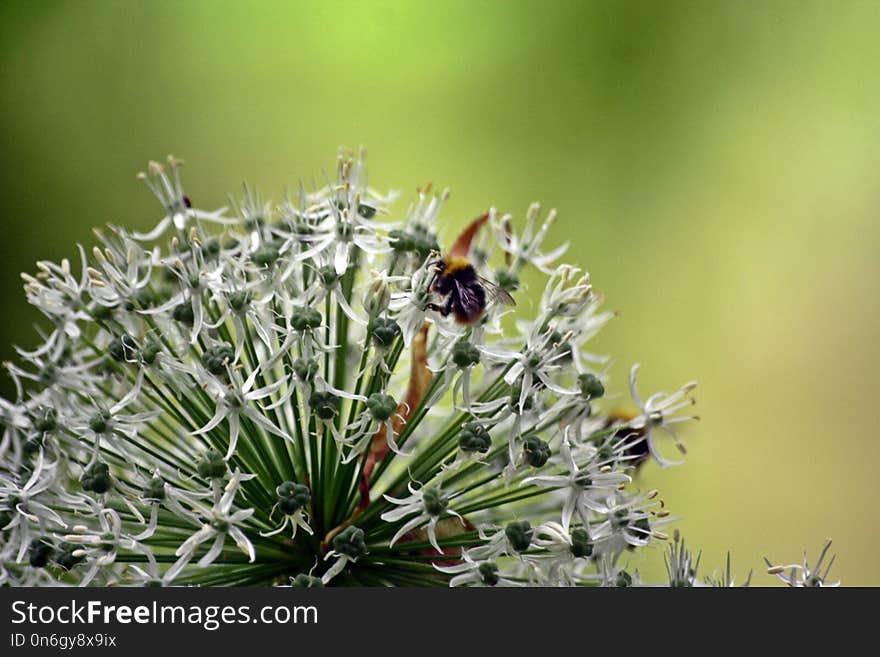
{"x": 277, "y": 393}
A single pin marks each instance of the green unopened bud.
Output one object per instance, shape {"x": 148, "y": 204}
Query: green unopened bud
{"x": 39, "y": 551}
{"x": 212, "y": 465}
{"x": 435, "y": 501}
{"x": 350, "y": 542}
{"x": 100, "y": 421}
{"x": 590, "y": 385}
{"x": 45, "y": 419}
{"x": 488, "y": 573}
{"x": 402, "y": 241}
{"x": 238, "y": 299}
{"x": 123, "y": 348}
{"x": 47, "y": 374}
{"x": 101, "y": 313}
{"x": 642, "y": 527}
{"x": 384, "y": 331}
{"x": 624, "y": 579}
{"x": 328, "y": 275}
{"x": 515, "y": 392}
{"x": 33, "y": 445}
{"x": 96, "y": 478}
{"x": 220, "y": 525}
{"x": 216, "y": 359}
{"x": 184, "y": 313}
{"x": 303, "y": 581}
{"x": 305, "y": 319}
{"x": 581, "y": 546}
{"x": 381, "y": 406}
{"x": 366, "y": 211}
{"x": 66, "y": 559}
{"x": 424, "y": 241}
{"x": 324, "y": 404}
{"x": 474, "y": 437}
{"x": 155, "y": 489}
{"x": 255, "y": 222}
{"x": 140, "y": 299}
{"x": 536, "y": 451}
{"x": 519, "y": 534}
{"x": 210, "y": 248}
{"x": 150, "y": 351}
{"x": 507, "y": 280}
{"x": 464, "y": 354}
{"x": 266, "y": 255}
{"x": 305, "y": 370}
{"x": 292, "y": 497}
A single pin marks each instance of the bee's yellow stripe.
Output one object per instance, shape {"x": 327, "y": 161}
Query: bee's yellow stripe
{"x": 456, "y": 263}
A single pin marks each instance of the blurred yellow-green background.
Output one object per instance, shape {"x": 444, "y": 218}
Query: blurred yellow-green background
{"x": 715, "y": 166}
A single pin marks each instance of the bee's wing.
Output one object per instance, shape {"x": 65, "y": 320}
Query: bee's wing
{"x": 496, "y": 293}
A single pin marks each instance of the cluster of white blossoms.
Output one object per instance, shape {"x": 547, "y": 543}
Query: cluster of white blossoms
{"x": 300, "y": 393}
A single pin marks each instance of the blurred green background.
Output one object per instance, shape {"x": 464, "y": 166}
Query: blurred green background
{"x": 714, "y": 165}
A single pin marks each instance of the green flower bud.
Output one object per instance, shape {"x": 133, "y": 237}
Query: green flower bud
{"x": 100, "y": 421}
{"x": 381, "y": 406}
{"x": 305, "y": 370}
{"x": 292, "y": 497}
{"x": 155, "y": 489}
{"x": 33, "y": 445}
{"x": 254, "y": 223}
{"x": 239, "y": 299}
{"x": 266, "y": 255}
{"x": 45, "y": 419}
{"x": 474, "y": 437}
{"x": 464, "y": 354}
{"x": 212, "y": 465}
{"x": 581, "y": 546}
{"x": 48, "y": 374}
{"x": 624, "y": 579}
{"x": 303, "y": 581}
{"x": 150, "y": 351}
{"x": 140, "y": 299}
{"x": 507, "y": 280}
{"x": 435, "y": 501}
{"x": 123, "y": 348}
{"x": 217, "y": 358}
{"x": 39, "y": 552}
{"x": 519, "y": 534}
{"x": 210, "y": 248}
{"x": 366, "y": 211}
{"x": 305, "y": 319}
{"x": 515, "y": 392}
{"x": 97, "y": 478}
{"x": 328, "y": 275}
{"x": 350, "y": 542}
{"x": 101, "y": 313}
{"x": 384, "y": 331}
{"x": 65, "y": 558}
{"x": 324, "y": 404}
{"x": 590, "y": 385}
{"x": 642, "y": 527}
{"x": 488, "y": 573}
{"x": 184, "y": 313}
{"x": 402, "y": 241}
{"x": 536, "y": 451}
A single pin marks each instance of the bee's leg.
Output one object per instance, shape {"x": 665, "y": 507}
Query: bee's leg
{"x": 443, "y": 310}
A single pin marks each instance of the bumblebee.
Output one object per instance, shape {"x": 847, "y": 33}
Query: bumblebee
{"x": 466, "y": 292}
